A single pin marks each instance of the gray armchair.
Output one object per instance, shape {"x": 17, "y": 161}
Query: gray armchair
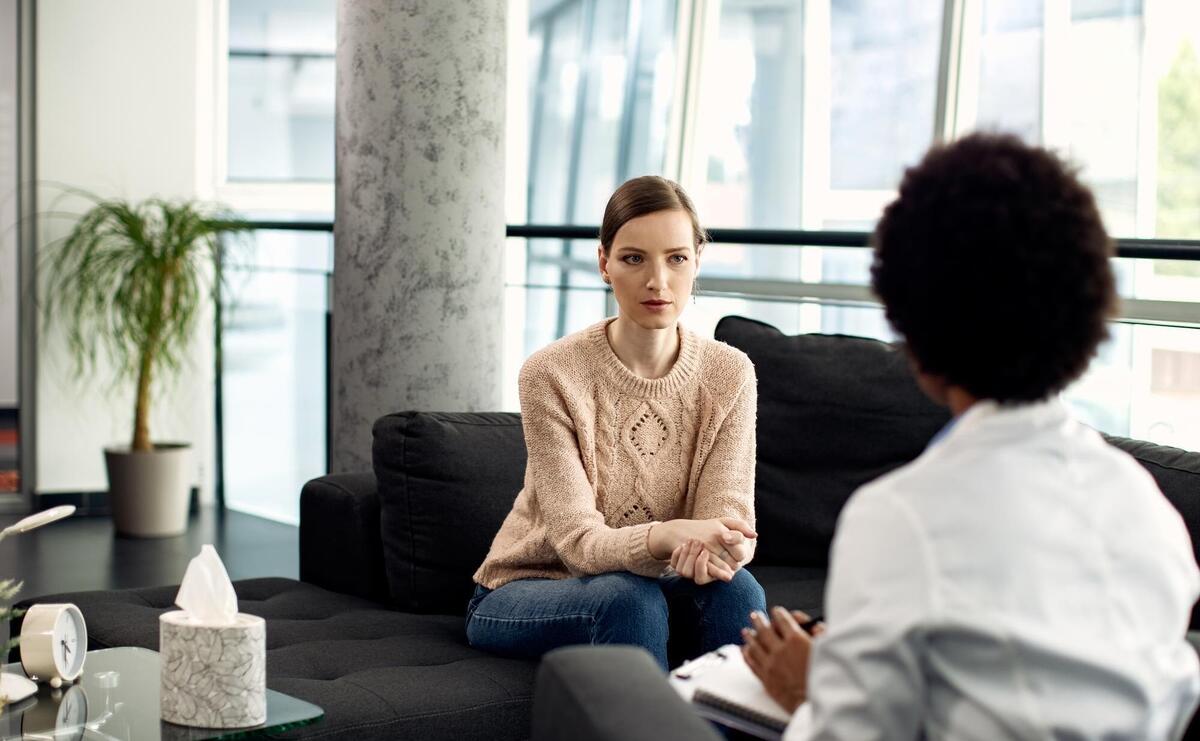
{"x": 610, "y": 693}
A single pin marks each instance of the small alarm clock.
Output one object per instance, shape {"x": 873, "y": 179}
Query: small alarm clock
{"x": 53, "y": 643}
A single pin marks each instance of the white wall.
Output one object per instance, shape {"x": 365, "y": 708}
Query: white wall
{"x": 121, "y": 111}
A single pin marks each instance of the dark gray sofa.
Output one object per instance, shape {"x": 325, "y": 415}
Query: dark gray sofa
{"x": 373, "y": 630}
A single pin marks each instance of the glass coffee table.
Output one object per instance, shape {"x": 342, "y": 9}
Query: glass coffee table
{"x": 116, "y": 697}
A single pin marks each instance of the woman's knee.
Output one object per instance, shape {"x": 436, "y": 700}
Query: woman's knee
{"x": 630, "y": 604}
{"x": 743, "y": 591}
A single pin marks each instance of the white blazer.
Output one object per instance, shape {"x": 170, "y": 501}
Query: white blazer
{"x": 1021, "y": 579}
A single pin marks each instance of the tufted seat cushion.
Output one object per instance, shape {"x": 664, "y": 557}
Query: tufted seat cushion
{"x": 376, "y": 672}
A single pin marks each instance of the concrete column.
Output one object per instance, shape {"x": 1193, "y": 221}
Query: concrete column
{"x": 419, "y": 221}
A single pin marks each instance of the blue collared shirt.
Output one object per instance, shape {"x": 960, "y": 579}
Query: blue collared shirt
{"x": 942, "y": 433}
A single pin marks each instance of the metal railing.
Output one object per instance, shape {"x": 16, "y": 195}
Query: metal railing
{"x": 1132, "y": 310}
{"x": 1141, "y": 249}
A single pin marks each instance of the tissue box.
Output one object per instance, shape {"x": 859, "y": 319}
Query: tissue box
{"x": 213, "y": 676}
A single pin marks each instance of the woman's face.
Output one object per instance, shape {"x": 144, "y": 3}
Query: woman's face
{"x": 651, "y": 267}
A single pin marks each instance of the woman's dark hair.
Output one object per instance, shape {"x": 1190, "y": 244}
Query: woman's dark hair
{"x": 646, "y": 195}
{"x": 993, "y": 264}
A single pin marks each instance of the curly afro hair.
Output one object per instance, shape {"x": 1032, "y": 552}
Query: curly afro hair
{"x": 993, "y": 264}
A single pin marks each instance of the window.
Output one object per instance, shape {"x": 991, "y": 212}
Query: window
{"x": 806, "y": 113}
{"x": 1010, "y": 68}
{"x": 1112, "y": 88}
{"x": 751, "y": 136}
{"x": 800, "y": 114}
{"x": 280, "y": 90}
{"x": 277, "y": 164}
{"x": 1178, "y": 153}
{"x": 601, "y": 76}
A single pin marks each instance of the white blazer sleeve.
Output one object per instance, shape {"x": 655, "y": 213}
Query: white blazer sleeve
{"x": 865, "y": 678}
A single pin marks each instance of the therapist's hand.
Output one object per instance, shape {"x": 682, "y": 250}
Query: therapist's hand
{"x": 777, "y": 651}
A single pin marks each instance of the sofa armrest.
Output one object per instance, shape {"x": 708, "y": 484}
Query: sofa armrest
{"x": 610, "y": 693}
{"x": 341, "y": 548}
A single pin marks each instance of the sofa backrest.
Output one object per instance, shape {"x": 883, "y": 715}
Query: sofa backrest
{"x": 446, "y": 482}
{"x": 834, "y": 412}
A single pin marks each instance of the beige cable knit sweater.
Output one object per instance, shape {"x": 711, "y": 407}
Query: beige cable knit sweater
{"x": 611, "y": 454}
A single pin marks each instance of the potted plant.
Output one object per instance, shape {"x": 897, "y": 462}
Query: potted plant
{"x": 131, "y": 279}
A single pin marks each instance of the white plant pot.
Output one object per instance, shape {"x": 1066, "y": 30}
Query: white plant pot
{"x": 149, "y": 491}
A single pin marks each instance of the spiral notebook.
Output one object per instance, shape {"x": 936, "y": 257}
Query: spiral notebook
{"x": 722, "y": 688}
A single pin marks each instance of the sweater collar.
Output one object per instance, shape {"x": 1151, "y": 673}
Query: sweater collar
{"x": 677, "y": 378}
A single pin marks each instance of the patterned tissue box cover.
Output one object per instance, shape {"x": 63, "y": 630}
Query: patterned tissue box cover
{"x": 213, "y": 677}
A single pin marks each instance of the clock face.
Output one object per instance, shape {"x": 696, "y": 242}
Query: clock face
{"x": 69, "y": 643}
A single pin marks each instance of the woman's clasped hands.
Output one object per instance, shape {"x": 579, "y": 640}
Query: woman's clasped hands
{"x": 703, "y": 550}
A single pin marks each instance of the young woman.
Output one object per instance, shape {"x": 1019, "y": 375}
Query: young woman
{"x": 1022, "y": 578}
{"x": 639, "y": 488}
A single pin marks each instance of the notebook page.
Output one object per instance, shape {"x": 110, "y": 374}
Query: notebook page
{"x": 723, "y": 673}
{"x": 733, "y": 682}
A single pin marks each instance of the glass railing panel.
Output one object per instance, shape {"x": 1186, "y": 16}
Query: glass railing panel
{"x": 274, "y": 372}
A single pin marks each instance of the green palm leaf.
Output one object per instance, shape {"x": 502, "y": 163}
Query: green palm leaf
{"x": 129, "y": 281}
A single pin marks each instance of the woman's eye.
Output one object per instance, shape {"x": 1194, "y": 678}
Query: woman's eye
{"x": 679, "y": 259}
{"x": 633, "y": 259}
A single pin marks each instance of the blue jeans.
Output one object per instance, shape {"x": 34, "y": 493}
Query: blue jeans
{"x": 528, "y": 617}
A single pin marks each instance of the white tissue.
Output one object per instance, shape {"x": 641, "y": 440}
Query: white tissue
{"x": 206, "y": 595}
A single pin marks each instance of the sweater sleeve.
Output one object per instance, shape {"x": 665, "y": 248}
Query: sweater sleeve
{"x": 726, "y": 484}
{"x": 565, "y": 497}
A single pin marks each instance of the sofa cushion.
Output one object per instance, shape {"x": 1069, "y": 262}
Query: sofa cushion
{"x": 377, "y": 673}
{"x": 793, "y": 587}
{"x": 446, "y": 482}
{"x": 834, "y": 412}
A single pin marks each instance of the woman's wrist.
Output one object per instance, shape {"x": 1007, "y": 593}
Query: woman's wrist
{"x": 658, "y": 540}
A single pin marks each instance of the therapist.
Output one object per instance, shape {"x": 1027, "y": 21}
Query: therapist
{"x": 1021, "y": 579}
